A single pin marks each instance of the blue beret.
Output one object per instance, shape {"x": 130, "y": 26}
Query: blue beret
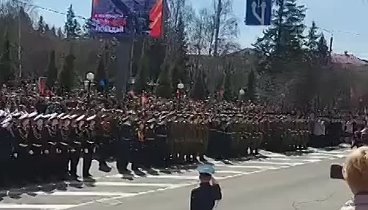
{"x": 206, "y": 169}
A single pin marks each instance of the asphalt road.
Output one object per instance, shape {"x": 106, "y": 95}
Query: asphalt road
{"x": 278, "y": 182}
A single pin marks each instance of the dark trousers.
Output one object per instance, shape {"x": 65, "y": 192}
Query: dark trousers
{"x": 102, "y": 154}
{"x": 74, "y": 160}
{"x": 136, "y": 153}
{"x": 87, "y": 160}
{"x": 160, "y": 151}
{"x": 123, "y": 154}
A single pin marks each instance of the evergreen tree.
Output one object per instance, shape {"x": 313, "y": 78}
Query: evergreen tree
{"x": 41, "y": 25}
{"x": 312, "y": 38}
{"x": 100, "y": 73}
{"x": 67, "y": 74}
{"x": 60, "y": 33}
{"x": 164, "y": 88}
{"x": 199, "y": 91}
{"x": 53, "y": 31}
{"x": 251, "y": 86}
{"x": 228, "y": 90}
{"x": 143, "y": 73}
{"x": 47, "y": 29}
{"x": 323, "y": 52}
{"x": 6, "y": 70}
{"x": 179, "y": 72}
{"x": 283, "y": 40}
{"x": 52, "y": 71}
{"x": 312, "y": 42}
{"x": 72, "y": 27}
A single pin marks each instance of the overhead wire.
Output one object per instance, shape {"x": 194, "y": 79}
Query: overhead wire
{"x": 331, "y": 32}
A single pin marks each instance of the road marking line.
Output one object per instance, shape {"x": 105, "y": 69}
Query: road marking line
{"x": 276, "y": 163}
{"x": 255, "y": 167}
{"x": 35, "y": 206}
{"x": 229, "y": 172}
{"x": 158, "y": 176}
{"x": 317, "y": 157}
{"x": 295, "y": 159}
{"x": 131, "y": 184}
{"x": 84, "y": 193}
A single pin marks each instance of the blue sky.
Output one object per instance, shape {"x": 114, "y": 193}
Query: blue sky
{"x": 347, "y": 20}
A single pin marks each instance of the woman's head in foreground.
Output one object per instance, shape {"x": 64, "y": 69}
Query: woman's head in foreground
{"x": 356, "y": 170}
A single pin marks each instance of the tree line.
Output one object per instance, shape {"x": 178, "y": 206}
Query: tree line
{"x": 199, "y": 48}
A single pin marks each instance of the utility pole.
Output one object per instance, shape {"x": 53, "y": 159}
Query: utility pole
{"x": 19, "y": 42}
{"x": 217, "y": 30}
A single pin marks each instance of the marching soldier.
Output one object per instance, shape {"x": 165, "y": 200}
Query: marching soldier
{"x": 162, "y": 154}
{"x": 124, "y": 145}
{"x": 75, "y": 145}
{"x": 50, "y": 134}
{"x": 87, "y": 137}
{"x": 6, "y": 148}
{"x": 103, "y": 141}
{"x": 62, "y": 145}
{"x": 149, "y": 143}
{"x": 35, "y": 147}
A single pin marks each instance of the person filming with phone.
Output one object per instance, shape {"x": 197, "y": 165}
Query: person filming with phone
{"x": 208, "y": 193}
{"x": 355, "y": 173}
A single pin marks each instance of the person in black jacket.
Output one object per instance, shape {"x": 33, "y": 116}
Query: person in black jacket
{"x": 205, "y": 196}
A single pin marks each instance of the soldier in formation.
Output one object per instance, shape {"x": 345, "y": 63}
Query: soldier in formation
{"x": 152, "y": 137}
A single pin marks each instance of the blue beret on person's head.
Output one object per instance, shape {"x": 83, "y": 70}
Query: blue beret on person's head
{"x": 206, "y": 169}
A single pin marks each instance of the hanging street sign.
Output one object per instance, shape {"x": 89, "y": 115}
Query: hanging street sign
{"x": 258, "y": 12}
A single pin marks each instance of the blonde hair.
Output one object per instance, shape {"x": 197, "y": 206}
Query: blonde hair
{"x": 356, "y": 170}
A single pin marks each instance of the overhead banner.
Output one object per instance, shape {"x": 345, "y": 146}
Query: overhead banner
{"x": 127, "y": 17}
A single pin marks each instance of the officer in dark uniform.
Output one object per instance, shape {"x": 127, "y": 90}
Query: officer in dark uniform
{"x": 35, "y": 148}
{"x": 75, "y": 142}
{"x": 40, "y": 148}
{"x": 62, "y": 137}
{"x": 149, "y": 143}
{"x": 50, "y": 144}
{"x": 6, "y": 148}
{"x": 20, "y": 154}
{"x": 88, "y": 144}
{"x": 208, "y": 193}
{"x": 161, "y": 151}
{"x": 103, "y": 139}
{"x": 124, "y": 145}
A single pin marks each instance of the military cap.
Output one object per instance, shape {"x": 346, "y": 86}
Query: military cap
{"x": 72, "y": 117}
{"x": 16, "y": 114}
{"x": 2, "y": 113}
{"x": 5, "y": 125}
{"x": 80, "y": 118}
{"x": 53, "y": 116}
{"x": 61, "y": 116}
{"x": 7, "y": 120}
{"x": 47, "y": 116}
{"x": 32, "y": 115}
{"x": 151, "y": 120}
{"x": 23, "y": 117}
{"x": 38, "y": 117}
{"x": 124, "y": 119}
{"x": 65, "y": 117}
{"x": 91, "y": 118}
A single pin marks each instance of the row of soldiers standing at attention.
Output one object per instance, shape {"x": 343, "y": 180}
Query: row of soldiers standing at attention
{"x": 34, "y": 142}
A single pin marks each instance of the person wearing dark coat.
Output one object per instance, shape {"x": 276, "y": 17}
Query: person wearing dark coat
{"x": 208, "y": 193}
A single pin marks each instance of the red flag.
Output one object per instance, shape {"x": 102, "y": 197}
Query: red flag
{"x": 156, "y": 14}
{"x": 42, "y": 86}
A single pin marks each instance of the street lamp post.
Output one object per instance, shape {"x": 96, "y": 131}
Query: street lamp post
{"x": 90, "y": 77}
{"x": 241, "y": 94}
{"x": 180, "y": 89}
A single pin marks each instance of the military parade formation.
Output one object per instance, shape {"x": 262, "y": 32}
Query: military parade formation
{"x": 47, "y": 138}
